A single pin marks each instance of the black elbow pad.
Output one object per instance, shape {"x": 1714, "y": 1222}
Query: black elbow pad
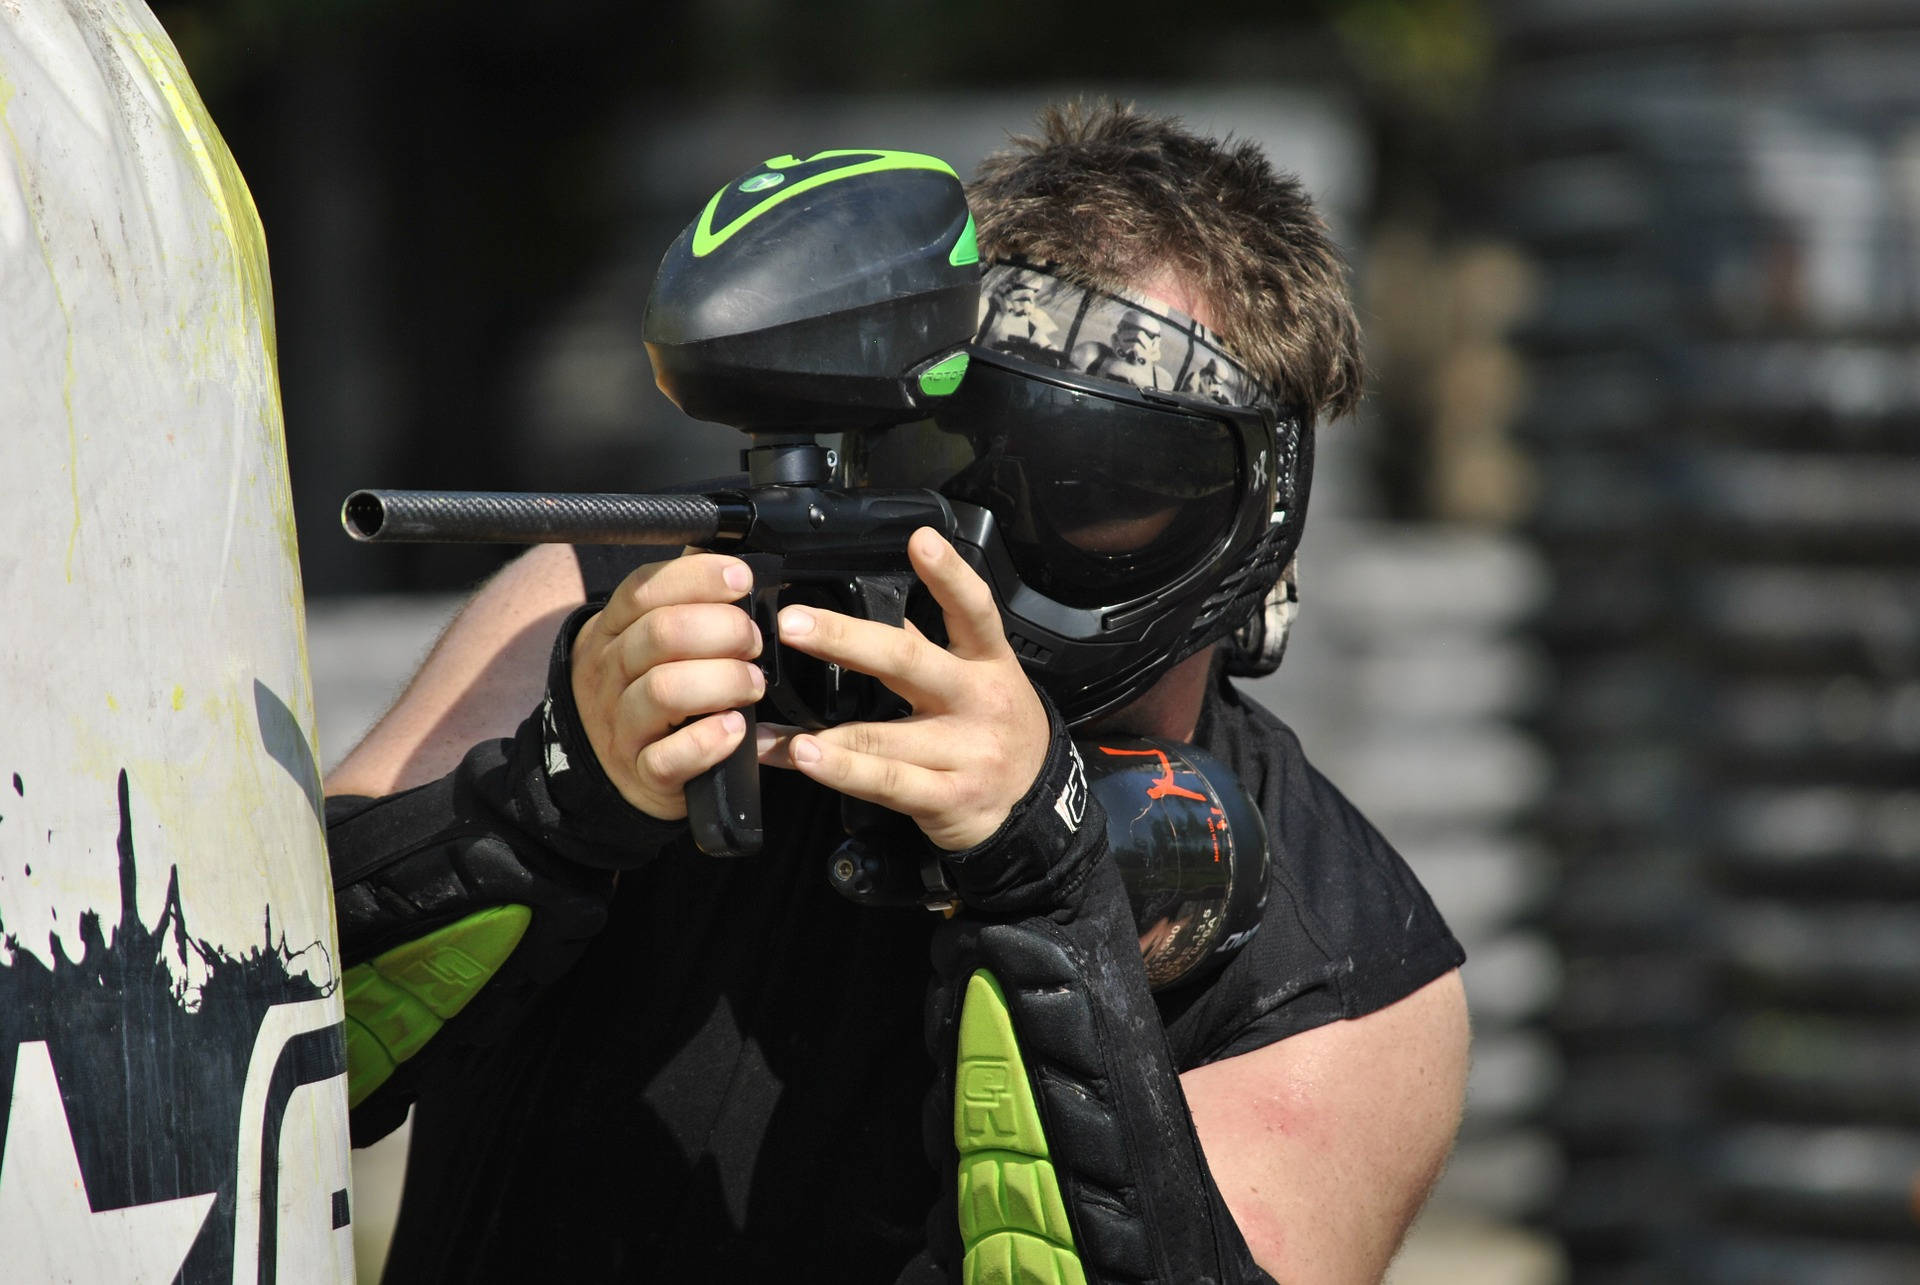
{"x": 449, "y": 917}
{"x": 459, "y": 901}
{"x": 1057, "y": 1113}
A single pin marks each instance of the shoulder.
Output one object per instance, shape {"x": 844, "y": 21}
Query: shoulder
{"x": 1302, "y": 806}
{"x": 1266, "y": 756}
{"x": 1347, "y": 929}
{"x": 1325, "y": 1145}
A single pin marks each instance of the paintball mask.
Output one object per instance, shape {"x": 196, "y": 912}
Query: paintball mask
{"x": 1131, "y": 492}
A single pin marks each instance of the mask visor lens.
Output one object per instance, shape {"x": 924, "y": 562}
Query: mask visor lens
{"x": 1101, "y": 499}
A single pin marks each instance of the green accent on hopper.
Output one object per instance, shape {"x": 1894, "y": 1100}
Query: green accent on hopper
{"x": 707, "y": 239}
{"x": 398, "y": 1001}
{"x": 943, "y": 376}
{"x": 762, "y": 181}
{"x": 966, "y": 251}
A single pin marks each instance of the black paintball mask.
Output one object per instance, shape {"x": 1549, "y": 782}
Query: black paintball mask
{"x": 1129, "y": 490}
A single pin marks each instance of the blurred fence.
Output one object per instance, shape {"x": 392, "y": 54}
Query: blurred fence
{"x": 1725, "y": 203}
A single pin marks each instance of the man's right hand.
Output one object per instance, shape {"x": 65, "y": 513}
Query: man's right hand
{"x": 660, "y": 672}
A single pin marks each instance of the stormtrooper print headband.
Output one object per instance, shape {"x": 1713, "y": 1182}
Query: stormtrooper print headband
{"x": 1027, "y": 311}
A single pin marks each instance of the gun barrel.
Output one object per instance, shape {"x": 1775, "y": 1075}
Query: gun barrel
{"x": 530, "y": 517}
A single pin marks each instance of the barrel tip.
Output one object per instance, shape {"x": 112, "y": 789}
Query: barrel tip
{"x": 363, "y": 515}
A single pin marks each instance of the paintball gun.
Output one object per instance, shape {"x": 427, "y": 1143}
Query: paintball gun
{"x": 838, "y": 294}
{"x": 832, "y": 294}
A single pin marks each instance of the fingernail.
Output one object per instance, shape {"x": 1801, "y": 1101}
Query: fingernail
{"x": 804, "y": 750}
{"x": 738, "y": 577}
{"x": 733, "y": 721}
{"x": 795, "y": 621}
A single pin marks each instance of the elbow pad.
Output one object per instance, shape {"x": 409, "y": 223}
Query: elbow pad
{"x": 1076, "y": 1157}
{"x": 459, "y": 901}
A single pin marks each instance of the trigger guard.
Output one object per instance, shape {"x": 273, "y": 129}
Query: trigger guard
{"x": 880, "y": 597}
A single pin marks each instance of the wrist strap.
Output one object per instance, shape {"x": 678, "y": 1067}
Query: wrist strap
{"x": 558, "y": 780}
{"x": 1047, "y": 845}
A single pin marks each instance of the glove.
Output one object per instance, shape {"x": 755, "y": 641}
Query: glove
{"x": 1077, "y": 1160}
{"x": 459, "y": 901}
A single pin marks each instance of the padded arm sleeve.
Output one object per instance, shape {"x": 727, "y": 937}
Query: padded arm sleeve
{"x": 1077, "y": 1159}
{"x": 459, "y": 901}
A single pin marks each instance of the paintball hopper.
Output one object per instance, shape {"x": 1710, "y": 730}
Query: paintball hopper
{"x": 836, "y": 292}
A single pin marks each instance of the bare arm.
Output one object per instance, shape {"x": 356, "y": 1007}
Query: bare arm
{"x": 483, "y": 677}
{"x": 1326, "y": 1144}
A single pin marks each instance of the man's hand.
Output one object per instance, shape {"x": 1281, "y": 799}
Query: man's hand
{"x": 659, "y": 673}
{"x": 977, "y": 735}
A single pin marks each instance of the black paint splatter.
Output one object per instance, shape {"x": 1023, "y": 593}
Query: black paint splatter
{"x": 151, "y": 1074}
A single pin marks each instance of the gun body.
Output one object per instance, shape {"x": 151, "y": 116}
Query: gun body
{"x": 845, "y": 549}
{"x": 834, "y": 293}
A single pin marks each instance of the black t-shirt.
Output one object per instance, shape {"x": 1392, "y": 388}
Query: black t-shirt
{"x": 730, "y": 1084}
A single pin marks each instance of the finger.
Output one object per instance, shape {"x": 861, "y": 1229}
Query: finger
{"x": 907, "y": 663}
{"x": 903, "y": 787}
{"x": 687, "y": 631}
{"x": 679, "y": 690}
{"x": 974, "y": 631}
{"x": 771, "y": 742}
{"x": 917, "y": 740}
{"x": 692, "y": 577}
{"x": 670, "y": 762}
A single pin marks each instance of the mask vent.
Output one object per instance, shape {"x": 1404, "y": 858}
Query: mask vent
{"x": 1027, "y": 649}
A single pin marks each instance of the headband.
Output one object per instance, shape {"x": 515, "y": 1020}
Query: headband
{"x": 1029, "y": 312}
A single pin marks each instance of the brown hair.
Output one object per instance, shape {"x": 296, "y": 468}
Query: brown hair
{"x": 1112, "y": 196}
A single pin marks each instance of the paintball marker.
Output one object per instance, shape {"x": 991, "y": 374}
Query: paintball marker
{"x": 837, "y": 294}
{"x": 827, "y": 295}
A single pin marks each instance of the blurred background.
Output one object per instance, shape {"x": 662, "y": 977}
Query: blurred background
{"x": 1612, "y": 590}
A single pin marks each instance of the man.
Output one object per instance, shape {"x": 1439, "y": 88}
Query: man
{"x": 694, "y": 1066}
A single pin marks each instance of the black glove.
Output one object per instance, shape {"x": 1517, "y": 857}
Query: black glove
{"x": 460, "y": 900}
{"x": 1077, "y": 1157}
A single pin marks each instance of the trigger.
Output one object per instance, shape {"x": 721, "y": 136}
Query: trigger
{"x": 883, "y": 598}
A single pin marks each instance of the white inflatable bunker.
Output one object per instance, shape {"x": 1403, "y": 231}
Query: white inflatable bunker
{"x": 172, "y": 1072}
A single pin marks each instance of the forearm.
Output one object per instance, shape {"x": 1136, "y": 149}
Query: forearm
{"x": 486, "y": 670}
{"x": 1052, "y": 928}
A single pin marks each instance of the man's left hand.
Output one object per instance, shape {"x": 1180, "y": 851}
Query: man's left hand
{"x": 977, "y": 735}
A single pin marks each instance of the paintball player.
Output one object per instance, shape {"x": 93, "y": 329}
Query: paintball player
{"x": 693, "y": 1068}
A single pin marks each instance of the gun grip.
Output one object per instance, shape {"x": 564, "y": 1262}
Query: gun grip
{"x": 723, "y": 802}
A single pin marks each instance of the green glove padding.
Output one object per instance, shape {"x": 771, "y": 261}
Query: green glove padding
{"x": 398, "y": 1001}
